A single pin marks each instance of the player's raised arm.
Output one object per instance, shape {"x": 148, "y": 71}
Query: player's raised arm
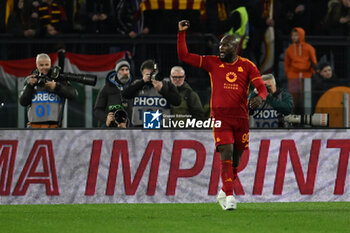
{"x": 182, "y": 52}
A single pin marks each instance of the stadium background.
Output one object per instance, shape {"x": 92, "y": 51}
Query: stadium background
{"x": 74, "y": 161}
{"x": 160, "y": 47}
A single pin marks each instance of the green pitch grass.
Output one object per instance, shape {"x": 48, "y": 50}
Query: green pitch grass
{"x": 208, "y": 217}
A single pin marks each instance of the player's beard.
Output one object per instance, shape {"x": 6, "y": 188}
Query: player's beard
{"x": 227, "y": 58}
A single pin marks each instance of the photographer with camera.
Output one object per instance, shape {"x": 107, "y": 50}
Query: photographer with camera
{"x": 111, "y": 94}
{"x": 117, "y": 117}
{"x": 44, "y": 97}
{"x": 190, "y": 102}
{"x": 151, "y": 93}
{"x": 278, "y": 103}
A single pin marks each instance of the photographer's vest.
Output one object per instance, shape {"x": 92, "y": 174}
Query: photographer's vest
{"x": 243, "y": 31}
{"x": 46, "y": 106}
{"x": 148, "y": 100}
{"x": 266, "y": 117}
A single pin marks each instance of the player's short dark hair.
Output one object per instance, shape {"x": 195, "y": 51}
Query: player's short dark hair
{"x": 148, "y": 64}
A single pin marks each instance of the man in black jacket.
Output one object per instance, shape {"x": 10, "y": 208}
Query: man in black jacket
{"x": 278, "y": 102}
{"x": 45, "y": 98}
{"x": 190, "y": 102}
{"x": 323, "y": 80}
{"x": 150, "y": 94}
{"x": 110, "y": 95}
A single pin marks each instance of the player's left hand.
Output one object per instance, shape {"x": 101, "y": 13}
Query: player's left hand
{"x": 255, "y": 102}
{"x": 183, "y": 25}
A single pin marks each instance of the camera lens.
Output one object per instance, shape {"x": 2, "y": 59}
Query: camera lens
{"x": 120, "y": 116}
{"x": 41, "y": 82}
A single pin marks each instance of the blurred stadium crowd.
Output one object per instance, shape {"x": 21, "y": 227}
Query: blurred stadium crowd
{"x": 52, "y": 17}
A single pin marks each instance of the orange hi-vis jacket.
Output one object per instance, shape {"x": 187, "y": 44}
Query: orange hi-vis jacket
{"x": 299, "y": 58}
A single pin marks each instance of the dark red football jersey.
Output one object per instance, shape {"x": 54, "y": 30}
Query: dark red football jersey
{"x": 229, "y": 81}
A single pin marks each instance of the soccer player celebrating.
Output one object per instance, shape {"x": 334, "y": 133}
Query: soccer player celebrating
{"x": 230, "y": 78}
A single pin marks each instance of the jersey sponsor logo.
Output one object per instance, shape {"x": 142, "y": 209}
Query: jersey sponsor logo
{"x": 46, "y": 97}
{"x": 231, "y": 77}
{"x": 150, "y": 101}
{"x": 231, "y": 86}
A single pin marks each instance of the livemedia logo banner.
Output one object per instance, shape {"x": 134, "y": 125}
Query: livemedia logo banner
{"x": 156, "y": 120}
{"x": 151, "y": 120}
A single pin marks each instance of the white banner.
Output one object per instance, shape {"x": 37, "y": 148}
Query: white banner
{"x": 150, "y": 166}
